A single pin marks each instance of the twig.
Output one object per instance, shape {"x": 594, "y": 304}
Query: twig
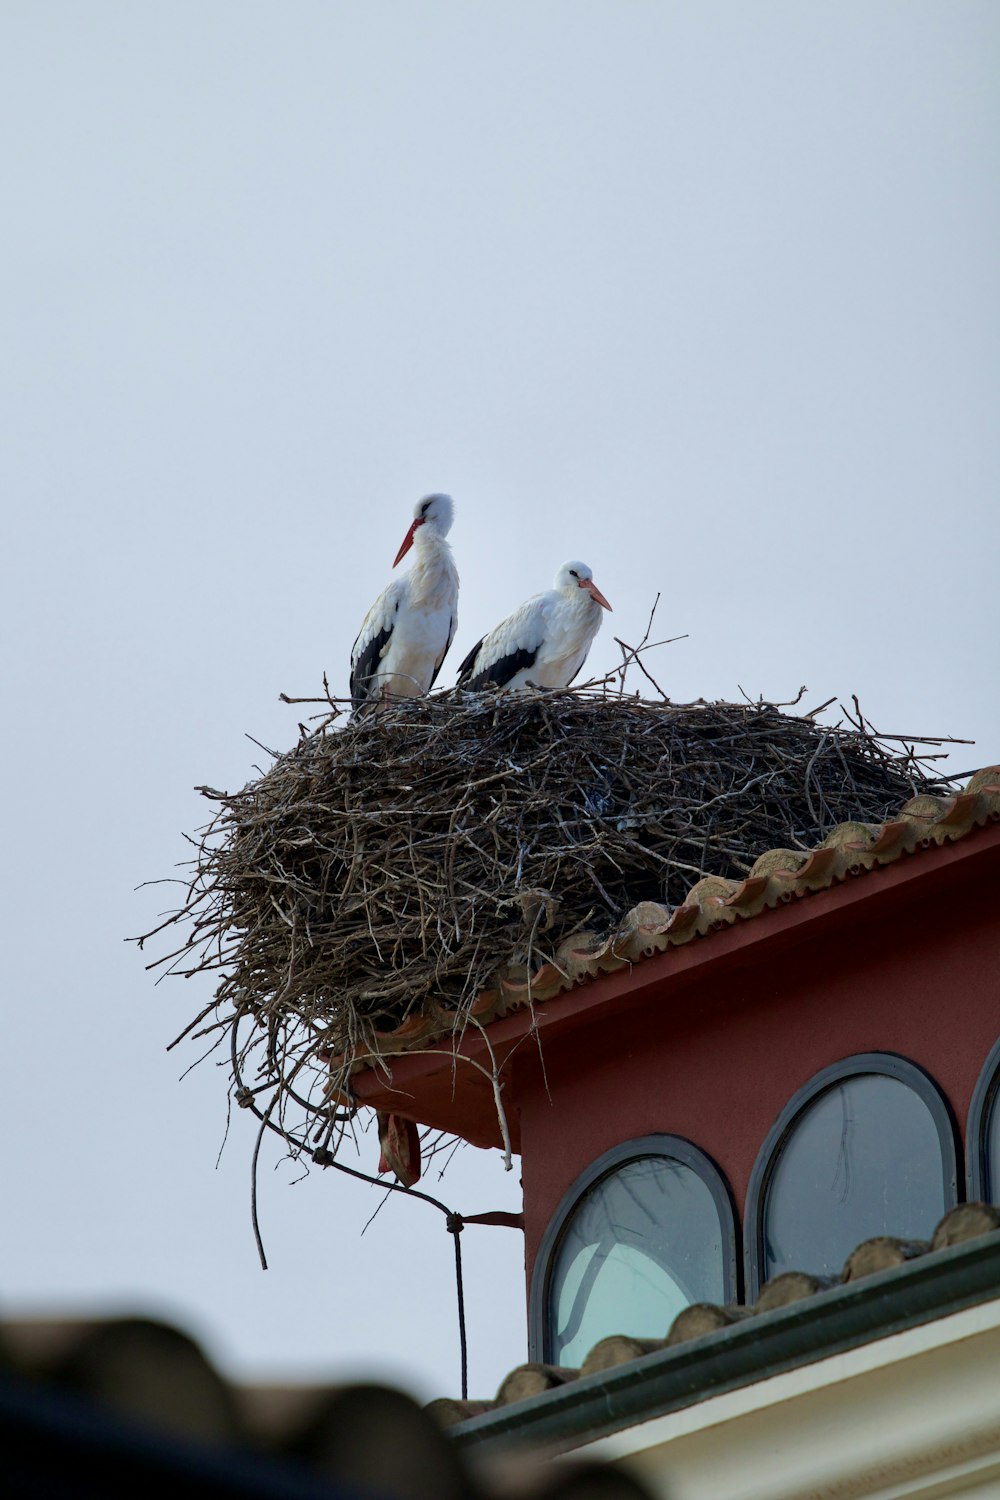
{"x": 375, "y": 873}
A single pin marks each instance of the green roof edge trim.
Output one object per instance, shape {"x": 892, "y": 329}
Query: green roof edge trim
{"x": 764, "y": 1344}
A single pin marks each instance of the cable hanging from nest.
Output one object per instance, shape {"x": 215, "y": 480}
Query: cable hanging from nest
{"x": 321, "y": 1156}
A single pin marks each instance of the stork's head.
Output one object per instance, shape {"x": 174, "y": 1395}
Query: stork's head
{"x": 436, "y": 512}
{"x": 576, "y": 575}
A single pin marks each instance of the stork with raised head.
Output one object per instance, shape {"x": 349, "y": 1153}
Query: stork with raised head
{"x": 545, "y": 642}
{"x": 406, "y": 633}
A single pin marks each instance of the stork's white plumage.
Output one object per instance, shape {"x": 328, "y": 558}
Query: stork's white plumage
{"x": 545, "y": 642}
{"x": 406, "y": 633}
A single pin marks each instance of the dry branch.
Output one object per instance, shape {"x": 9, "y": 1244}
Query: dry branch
{"x": 395, "y": 866}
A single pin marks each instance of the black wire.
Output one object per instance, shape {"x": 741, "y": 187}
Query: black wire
{"x": 323, "y": 1157}
{"x": 455, "y": 1227}
{"x": 454, "y": 1224}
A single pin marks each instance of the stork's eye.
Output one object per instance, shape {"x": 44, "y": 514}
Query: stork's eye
{"x": 425, "y": 507}
{"x": 573, "y": 573}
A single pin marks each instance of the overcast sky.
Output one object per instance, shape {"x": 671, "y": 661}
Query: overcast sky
{"x": 704, "y": 294}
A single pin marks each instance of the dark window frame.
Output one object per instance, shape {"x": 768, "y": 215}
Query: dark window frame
{"x": 983, "y": 1176}
{"x": 860, "y": 1064}
{"x": 671, "y": 1148}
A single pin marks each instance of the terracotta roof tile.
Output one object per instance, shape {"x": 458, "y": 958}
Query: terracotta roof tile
{"x": 700, "y": 1318}
{"x": 714, "y": 903}
{"x": 788, "y": 1287}
{"x": 133, "y": 1382}
{"x": 616, "y": 1350}
{"x": 966, "y": 1222}
{"x": 530, "y": 1380}
{"x": 448, "y": 1411}
{"x": 880, "y": 1254}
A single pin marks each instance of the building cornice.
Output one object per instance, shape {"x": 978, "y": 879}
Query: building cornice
{"x": 857, "y": 1315}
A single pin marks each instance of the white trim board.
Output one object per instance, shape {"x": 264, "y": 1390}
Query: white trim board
{"x": 916, "y": 1414}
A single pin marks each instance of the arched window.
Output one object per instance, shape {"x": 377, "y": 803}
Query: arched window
{"x": 866, "y": 1148}
{"x": 646, "y": 1230}
{"x": 984, "y": 1133}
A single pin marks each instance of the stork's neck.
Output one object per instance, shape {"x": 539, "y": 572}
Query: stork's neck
{"x": 580, "y": 602}
{"x": 433, "y": 573}
{"x": 575, "y": 623}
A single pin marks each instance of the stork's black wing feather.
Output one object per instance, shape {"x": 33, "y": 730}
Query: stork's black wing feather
{"x": 366, "y": 664}
{"x": 467, "y": 663}
{"x": 498, "y": 673}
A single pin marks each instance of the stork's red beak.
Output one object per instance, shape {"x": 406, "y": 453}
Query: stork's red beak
{"x": 408, "y": 540}
{"x": 592, "y": 589}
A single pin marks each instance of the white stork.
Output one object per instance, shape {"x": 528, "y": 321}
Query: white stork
{"x": 406, "y": 633}
{"x": 545, "y": 642}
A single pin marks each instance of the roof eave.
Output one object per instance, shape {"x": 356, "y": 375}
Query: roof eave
{"x": 927, "y": 1289}
{"x": 433, "y": 1087}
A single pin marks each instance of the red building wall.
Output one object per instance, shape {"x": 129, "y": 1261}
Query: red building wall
{"x": 710, "y": 1040}
{"x": 713, "y": 1049}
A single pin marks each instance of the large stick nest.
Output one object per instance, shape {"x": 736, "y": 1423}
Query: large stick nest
{"x": 403, "y": 862}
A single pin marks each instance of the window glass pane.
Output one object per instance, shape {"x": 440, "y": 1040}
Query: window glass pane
{"x": 863, "y": 1159}
{"x": 644, "y": 1242}
{"x": 991, "y": 1177}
